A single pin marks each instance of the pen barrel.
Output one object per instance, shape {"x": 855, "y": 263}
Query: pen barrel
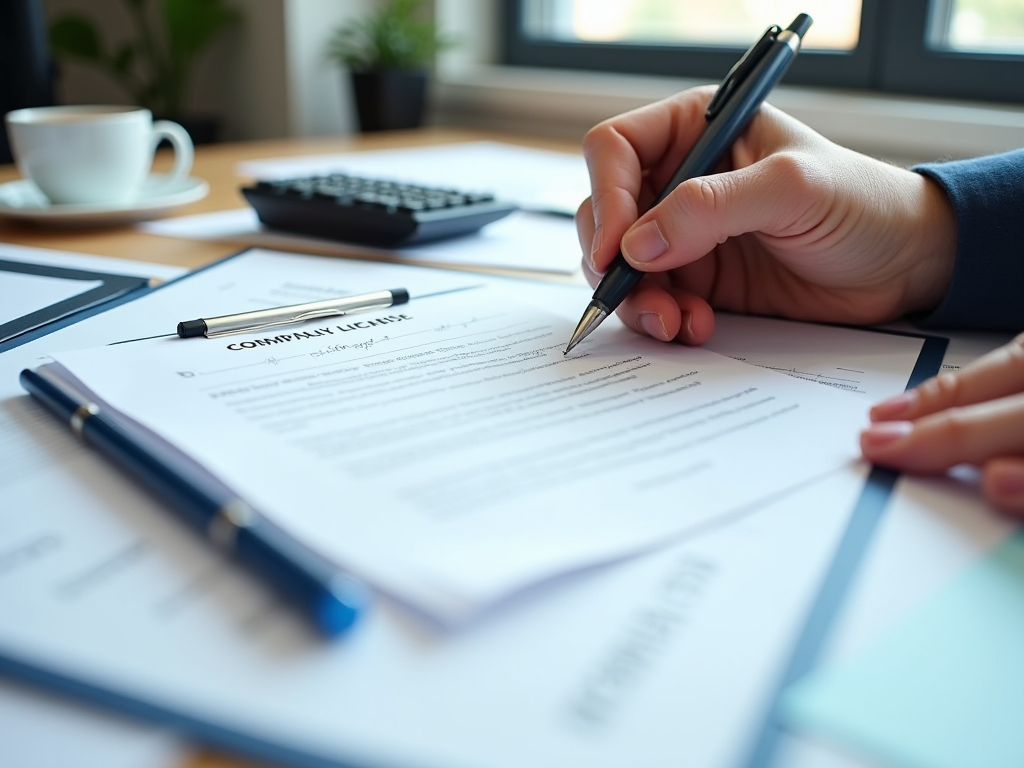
{"x": 616, "y": 284}
{"x": 736, "y": 114}
{"x": 164, "y": 476}
{"x": 310, "y": 583}
{"x": 296, "y": 313}
{"x": 729, "y": 122}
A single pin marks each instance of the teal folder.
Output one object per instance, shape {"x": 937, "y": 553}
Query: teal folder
{"x": 944, "y": 688}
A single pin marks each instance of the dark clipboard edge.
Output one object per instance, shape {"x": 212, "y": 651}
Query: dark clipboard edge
{"x": 203, "y": 732}
{"x": 838, "y": 578}
{"x": 112, "y": 287}
{"x": 97, "y": 308}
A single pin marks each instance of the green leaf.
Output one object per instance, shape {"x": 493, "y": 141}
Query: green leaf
{"x": 75, "y": 35}
{"x": 154, "y": 65}
{"x": 400, "y": 35}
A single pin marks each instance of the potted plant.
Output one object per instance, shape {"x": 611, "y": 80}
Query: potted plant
{"x": 388, "y": 55}
{"x": 154, "y": 67}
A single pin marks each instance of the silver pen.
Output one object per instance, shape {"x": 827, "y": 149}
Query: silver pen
{"x": 259, "y": 319}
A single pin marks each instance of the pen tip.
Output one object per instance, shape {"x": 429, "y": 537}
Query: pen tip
{"x": 342, "y": 605}
{"x": 593, "y": 317}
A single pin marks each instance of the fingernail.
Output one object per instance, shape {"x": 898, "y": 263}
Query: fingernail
{"x": 885, "y": 433}
{"x": 653, "y": 325}
{"x": 644, "y": 243}
{"x": 686, "y": 330}
{"x": 595, "y": 246}
{"x": 895, "y": 407}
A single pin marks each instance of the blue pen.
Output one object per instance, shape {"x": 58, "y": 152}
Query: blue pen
{"x": 729, "y": 112}
{"x": 331, "y": 598}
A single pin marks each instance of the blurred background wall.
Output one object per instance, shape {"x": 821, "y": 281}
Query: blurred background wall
{"x": 267, "y": 76}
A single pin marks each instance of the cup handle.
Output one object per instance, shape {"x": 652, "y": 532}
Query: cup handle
{"x": 182, "y": 143}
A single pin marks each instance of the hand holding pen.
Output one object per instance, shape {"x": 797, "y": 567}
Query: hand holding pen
{"x": 727, "y": 114}
{"x": 789, "y": 224}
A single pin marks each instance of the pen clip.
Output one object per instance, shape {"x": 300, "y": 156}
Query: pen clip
{"x": 313, "y": 315}
{"x": 740, "y": 70}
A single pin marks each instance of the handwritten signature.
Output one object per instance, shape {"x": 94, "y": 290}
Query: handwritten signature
{"x": 362, "y": 346}
{"x": 464, "y": 324}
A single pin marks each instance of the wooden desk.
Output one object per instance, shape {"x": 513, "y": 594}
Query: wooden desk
{"x": 216, "y": 164}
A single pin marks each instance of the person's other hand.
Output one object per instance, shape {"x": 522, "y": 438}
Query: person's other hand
{"x": 972, "y": 416}
{"x": 791, "y": 225}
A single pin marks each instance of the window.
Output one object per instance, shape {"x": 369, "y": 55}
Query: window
{"x": 966, "y": 49}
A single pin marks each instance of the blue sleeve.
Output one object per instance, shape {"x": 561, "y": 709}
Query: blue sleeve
{"x": 987, "y": 290}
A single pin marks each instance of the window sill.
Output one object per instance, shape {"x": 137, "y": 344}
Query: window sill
{"x": 564, "y": 104}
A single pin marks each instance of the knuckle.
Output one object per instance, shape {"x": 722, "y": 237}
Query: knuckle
{"x": 944, "y": 388}
{"x": 792, "y": 172}
{"x": 697, "y": 198}
{"x": 710, "y": 194}
{"x": 954, "y": 429}
{"x": 612, "y": 199}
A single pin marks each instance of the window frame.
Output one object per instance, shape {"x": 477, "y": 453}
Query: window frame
{"x": 912, "y": 67}
{"x": 891, "y": 56}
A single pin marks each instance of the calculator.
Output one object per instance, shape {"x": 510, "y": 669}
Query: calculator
{"x": 374, "y": 212}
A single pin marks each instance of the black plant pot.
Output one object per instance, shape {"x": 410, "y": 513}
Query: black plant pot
{"x": 202, "y": 129}
{"x": 390, "y": 100}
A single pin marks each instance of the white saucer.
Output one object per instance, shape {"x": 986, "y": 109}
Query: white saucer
{"x": 22, "y": 200}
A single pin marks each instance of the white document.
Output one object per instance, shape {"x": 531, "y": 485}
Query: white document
{"x": 521, "y": 241}
{"x": 86, "y": 261}
{"x": 649, "y": 662}
{"x": 40, "y": 730}
{"x": 447, "y": 451}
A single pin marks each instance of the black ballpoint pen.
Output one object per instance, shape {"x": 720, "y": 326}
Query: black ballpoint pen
{"x": 731, "y": 109}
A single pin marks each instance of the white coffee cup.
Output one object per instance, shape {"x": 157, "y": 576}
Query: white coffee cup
{"x": 93, "y": 155}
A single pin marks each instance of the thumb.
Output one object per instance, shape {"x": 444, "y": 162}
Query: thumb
{"x": 779, "y": 196}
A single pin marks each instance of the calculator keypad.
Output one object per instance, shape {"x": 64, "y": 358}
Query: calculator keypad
{"x": 371, "y": 211}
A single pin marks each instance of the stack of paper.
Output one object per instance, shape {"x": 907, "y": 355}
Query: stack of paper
{"x": 622, "y": 448}
{"x": 451, "y": 454}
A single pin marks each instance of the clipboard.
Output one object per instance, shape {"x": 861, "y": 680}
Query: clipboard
{"x": 13, "y": 332}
